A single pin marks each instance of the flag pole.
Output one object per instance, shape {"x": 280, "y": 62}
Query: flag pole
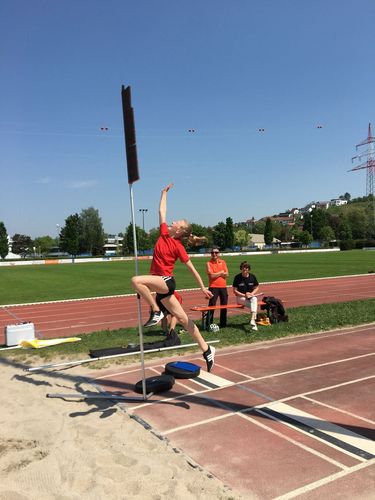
{"x": 133, "y": 176}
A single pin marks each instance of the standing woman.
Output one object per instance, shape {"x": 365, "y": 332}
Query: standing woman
{"x": 217, "y": 272}
{"x": 167, "y": 250}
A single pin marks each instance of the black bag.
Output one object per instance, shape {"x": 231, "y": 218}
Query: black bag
{"x": 275, "y": 309}
{"x": 171, "y": 340}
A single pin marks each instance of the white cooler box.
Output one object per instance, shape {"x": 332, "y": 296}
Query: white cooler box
{"x": 15, "y": 333}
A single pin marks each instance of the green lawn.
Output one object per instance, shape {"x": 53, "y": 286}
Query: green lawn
{"x": 302, "y": 320}
{"x": 20, "y": 284}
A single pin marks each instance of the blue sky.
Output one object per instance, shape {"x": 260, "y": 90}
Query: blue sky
{"x": 224, "y": 69}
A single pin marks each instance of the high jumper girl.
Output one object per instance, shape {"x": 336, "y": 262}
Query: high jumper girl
{"x": 167, "y": 250}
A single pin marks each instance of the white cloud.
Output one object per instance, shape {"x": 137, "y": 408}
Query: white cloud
{"x": 44, "y": 180}
{"x": 80, "y": 184}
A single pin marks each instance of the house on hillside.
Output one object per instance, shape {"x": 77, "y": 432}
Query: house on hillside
{"x": 322, "y": 204}
{"x": 338, "y": 202}
{"x": 257, "y": 240}
{"x": 294, "y": 211}
{"x": 284, "y": 220}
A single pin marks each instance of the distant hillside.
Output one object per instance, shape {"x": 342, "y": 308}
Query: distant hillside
{"x": 367, "y": 204}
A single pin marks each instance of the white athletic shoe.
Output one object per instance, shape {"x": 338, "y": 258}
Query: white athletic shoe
{"x": 253, "y": 326}
{"x": 209, "y": 357}
{"x": 154, "y": 319}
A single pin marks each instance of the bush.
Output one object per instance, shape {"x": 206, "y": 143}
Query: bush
{"x": 369, "y": 243}
{"x": 359, "y": 244}
{"x": 346, "y": 245}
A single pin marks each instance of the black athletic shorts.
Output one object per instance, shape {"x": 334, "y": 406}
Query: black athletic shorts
{"x": 171, "y": 284}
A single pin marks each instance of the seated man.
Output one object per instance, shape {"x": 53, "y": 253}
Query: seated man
{"x": 245, "y": 287}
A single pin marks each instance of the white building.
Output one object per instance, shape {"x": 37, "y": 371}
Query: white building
{"x": 11, "y": 255}
{"x": 257, "y": 240}
{"x": 338, "y": 202}
{"x": 113, "y": 244}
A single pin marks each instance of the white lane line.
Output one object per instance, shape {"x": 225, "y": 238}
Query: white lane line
{"x": 212, "y": 380}
{"x": 196, "y": 424}
{"x": 323, "y": 426}
{"x": 308, "y": 337}
{"x": 246, "y": 377}
{"x": 320, "y": 365}
{"x": 345, "y": 412}
{"x": 182, "y": 290}
{"x": 257, "y": 393}
{"x": 326, "y": 388}
{"x": 325, "y": 480}
{"x": 110, "y": 375}
{"x": 265, "y": 427}
{"x": 240, "y": 386}
{"x": 293, "y": 441}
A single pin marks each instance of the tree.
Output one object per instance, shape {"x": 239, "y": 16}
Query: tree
{"x": 201, "y": 232}
{"x": 315, "y": 220}
{"x": 319, "y": 220}
{"x": 334, "y": 222}
{"x": 344, "y": 231}
{"x": 268, "y": 232}
{"x": 326, "y": 233}
{"x": 153, "y": 235}
{"x": 44, "y": 243}
{"x": 304, "y": 237}
{"x": 241, "y": 238}
{"x": 229, "y": 233}
{"x": 258, "y": 227}
{"x": 219, "y": 235}
{"x": 358, "y": 223}
{"x": 345, "y": 196}
{"x": 282, "y": 232}
{"x": 3, "y": 241}
{"x": 143, "y": 240}
{"x": 91, "y": 232}
{"x": 128, "y": 241}
{"x": 70, "y": 234}
{"x": 22, "y": 244}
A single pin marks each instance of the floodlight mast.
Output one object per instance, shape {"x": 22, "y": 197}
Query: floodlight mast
{"x": 133, "y": 176}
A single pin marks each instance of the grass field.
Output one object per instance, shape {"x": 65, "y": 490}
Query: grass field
{"x": 20, "y": 284}
{"x": 302, "y": 320}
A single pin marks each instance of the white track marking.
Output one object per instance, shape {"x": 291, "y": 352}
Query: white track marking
{"x": 327, "y": 388}
{"x": 180, "y": 290}
{"x": 214, "y": 379}
{"x": 328, "y": 428}
{"x": 307, "y": 337}
{"x": 320, "y": 365}
{"x": 247, "y": 377}
{"x": 326, "y": 480}
{"x": 296, "y": 443}
{"x": 268, "y": 429}
{"x": 316, "y": 401}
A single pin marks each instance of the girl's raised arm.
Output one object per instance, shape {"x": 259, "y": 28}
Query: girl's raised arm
{"x": 163, "y": 203}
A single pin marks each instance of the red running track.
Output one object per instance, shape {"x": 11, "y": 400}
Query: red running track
{"x": 243, "y": 422}
{"x": 68, "y": 318}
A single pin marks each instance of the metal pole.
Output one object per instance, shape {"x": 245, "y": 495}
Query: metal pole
{"x": 140, "y": 329}
{"x": 111, "y": 356}
{"x": 143, "y": 210}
